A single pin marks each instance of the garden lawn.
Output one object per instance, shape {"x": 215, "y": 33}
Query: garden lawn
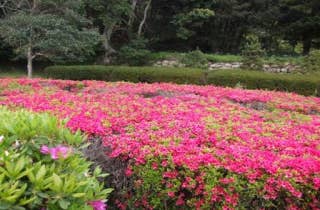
{"x": 193, "y": 147}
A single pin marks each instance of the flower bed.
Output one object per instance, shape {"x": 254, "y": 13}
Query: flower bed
{"x": 190, "y": 146}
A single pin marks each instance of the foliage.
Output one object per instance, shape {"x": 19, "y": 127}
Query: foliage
{"x": 48, "y": 36}
{"x": 302, "y": 84}
{"x": 213, "y": 26}
{"x": 108, "y": 12}
{"x": 305, "y": 85}
{"x": 223, "y": 58}
{"x": 300, "y": 21}
{"x": 192, "y": 147}
{"x": 156, "y": 56}
{"x": 252, "y": 53}
{"x": 226, "y": 58}
{"x": 47, "y": 28}
{"x": 108, "y": 16}
{"x": 297, "y": 60}
{"x": 32, "y": 179}
{"x": 311, "y": 62}
{"x": 124, "y": 73}
{"x": 195, "y": 59}
{"x": 193, "y": 19}
{"x": 135, "y": 53}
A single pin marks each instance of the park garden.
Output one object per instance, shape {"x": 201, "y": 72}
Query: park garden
{"x": 159, "y": 104}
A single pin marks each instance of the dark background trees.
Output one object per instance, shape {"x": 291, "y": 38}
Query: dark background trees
{"x": 213, "y": 26}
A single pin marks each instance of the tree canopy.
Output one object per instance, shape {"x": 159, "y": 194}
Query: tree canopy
{"x": 219, "y": 26}
{"x": 46, "y": 29}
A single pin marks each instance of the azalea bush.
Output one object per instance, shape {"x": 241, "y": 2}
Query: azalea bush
{"x": 188, "y": 146}
{"x": 41, "y": 168}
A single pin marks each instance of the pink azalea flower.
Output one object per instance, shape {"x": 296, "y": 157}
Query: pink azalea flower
{"x": 44, "y": 149}
{"x": 98, "y": 205}
{"x": 56, "y": 152}
{"x": 188, "y": 130}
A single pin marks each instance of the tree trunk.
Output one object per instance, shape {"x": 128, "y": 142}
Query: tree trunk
{"x": 132, "y": 18}
{"x": 306, "y": 46}
{"x": 107, "y": 32}
{"x": 146, "y": 9}
{"x": 30, "y": 61}
{"x": 132, "y": 14}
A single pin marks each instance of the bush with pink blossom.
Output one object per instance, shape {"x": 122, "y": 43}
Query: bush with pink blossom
{"x": 41, "y": 168}
{"x": 187, "y": 146}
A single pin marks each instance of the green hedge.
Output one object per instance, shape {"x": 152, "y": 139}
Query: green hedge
{"x": 125, "y": 73}
{"x": 301, "y": 84}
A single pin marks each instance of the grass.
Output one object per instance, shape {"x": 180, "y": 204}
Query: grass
{"x": 223, "y": 58}
{"x": 283, "y": 59}
{"x": 227, "y": 58}
{"x": 211, "y": 57}
{"x": 18, "y": 74}
{"x": 16, "y": 70}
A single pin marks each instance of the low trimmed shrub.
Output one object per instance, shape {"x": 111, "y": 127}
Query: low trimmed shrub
{"x": 41, "y": 168}
{"x": 301, "y": 84}
{"x": 93, "y": 72}
{"x": 128, "y": 74}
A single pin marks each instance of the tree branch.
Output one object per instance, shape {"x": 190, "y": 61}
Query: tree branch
{"x": 146, "y": 9}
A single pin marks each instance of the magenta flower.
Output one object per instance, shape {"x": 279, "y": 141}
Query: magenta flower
{"x": 56, "y": 152}
{"x": 44, "y": 149}
{"x": 98, "y": 205}
{"x": 267, "y": 138}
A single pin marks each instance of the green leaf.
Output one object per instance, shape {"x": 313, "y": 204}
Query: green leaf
{"x": 78, "y": 195}
{"x": 31, "y": 176}
{"x": 43, "y": 195}
{"x": 64, "y": 204}
{"x": 41, "y": 173}
{"x": 4, "y": 205}
{"x": 25, "y": 201}
{"x": 57, "y": 182}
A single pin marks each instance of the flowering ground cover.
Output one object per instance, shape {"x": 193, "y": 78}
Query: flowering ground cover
{"x": 191, "y": 146}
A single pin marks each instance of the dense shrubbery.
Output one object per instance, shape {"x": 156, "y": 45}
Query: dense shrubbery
{"x": 124, "y": 73}
{"x": 189, "y": 146}
{"x": 157, "y": 56}
{"x": 195, "y": 59}
{"x": 40, "y": 167}
{"x": 135, "y": 53}
{"x": 311, "y": 62}
{"x": 302, "y": 84}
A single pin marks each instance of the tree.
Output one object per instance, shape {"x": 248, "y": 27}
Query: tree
{"x": 214, "y": 26}
{"x": 189, "y": 23}
{"x": 139, "y": 8}
{"x": 109, "y": 16}
{"x": 301, "y": 21}
{"x": 33, "y": 32}
{"x": 252, "y": 53}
